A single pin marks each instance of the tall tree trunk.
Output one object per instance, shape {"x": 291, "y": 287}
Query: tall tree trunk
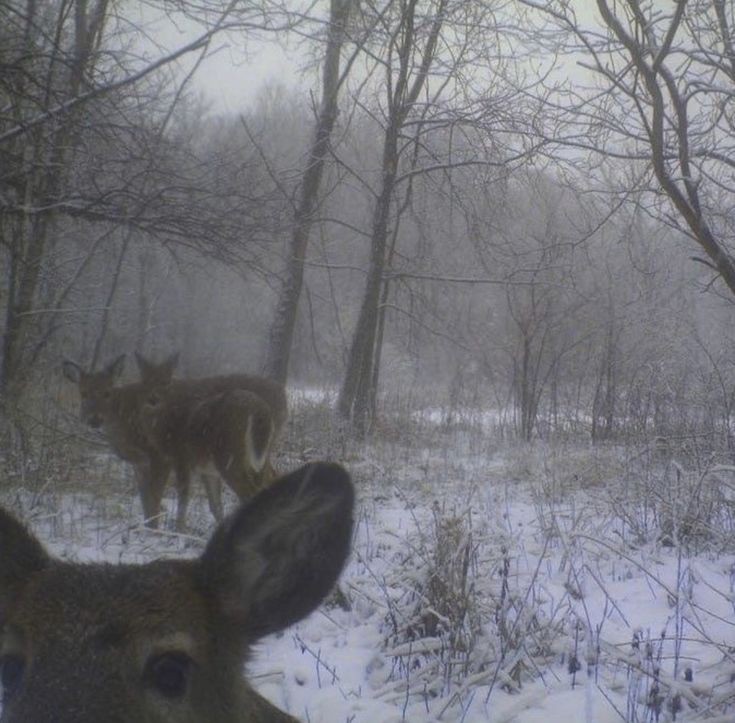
{"x": 105, "y": 321}
{"x": 354, "y": 396}
{"x": 357, "y": 391}
{"x": 282, "y": 330}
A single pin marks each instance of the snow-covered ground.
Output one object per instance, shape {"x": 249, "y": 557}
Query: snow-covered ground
{"x": 488, "y": 582}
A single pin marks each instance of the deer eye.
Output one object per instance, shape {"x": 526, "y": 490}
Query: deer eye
{"x": 168, "y": 674}
{"x": 12, "y": 668}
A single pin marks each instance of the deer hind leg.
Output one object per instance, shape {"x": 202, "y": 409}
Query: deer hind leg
{"x": 256, "y": 448}
{"x": 213, "y": 487}
{"x": 269, "y": 473}
{"x": 183, "y": 490}
{"x": 151, "y": 477}
{"x": 237, "y": 475}
{"x": 242, "y": 453}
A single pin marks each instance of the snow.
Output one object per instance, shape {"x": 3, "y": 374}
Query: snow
{"x": 555, "y": 560}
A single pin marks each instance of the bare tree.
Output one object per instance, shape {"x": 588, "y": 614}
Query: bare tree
{"x": 426, "y": 61}
{"x": 650, "y": 94}
{"x": 412, "y": 47}
{"x": 282, "y": 330}
{"x": 84, "y": 141}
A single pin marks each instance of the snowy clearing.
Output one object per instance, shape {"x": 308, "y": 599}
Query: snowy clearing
{"x": 510, "y": 583}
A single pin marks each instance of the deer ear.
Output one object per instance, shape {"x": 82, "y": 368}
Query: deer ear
{"x": 115, "y": 368}
{"x": 72, "y": 371}
{"x": 276, "y": 559}
{"x": 22, "y": 555}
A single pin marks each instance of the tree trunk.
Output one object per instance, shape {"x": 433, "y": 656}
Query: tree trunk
{"x": 282, "y": 330}
{"x": 354, "y": 396}
{"x": 354, "y": 402}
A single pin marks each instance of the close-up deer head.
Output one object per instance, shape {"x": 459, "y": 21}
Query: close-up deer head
{"x": 166, "y": 641}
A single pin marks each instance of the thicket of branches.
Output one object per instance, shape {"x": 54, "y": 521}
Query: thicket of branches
{"x": 478, "y": 204}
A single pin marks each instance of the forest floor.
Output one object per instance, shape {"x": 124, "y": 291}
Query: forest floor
{"x": 489, "y": 580}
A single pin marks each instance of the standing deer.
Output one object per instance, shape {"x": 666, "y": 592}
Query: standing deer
{"x": 159, "y": 423}
{"x": 271, "y": 392}
{"x": 116, "y": 411}
{"x": 165, "y": 642}
{"x": 230, "y": 422}
{"x": 232, "y": 431}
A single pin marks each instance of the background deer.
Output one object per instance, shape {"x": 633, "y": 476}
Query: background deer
{"x": 165, "y": 642}
{"x": 116, "y": 411}
{"x": 158, "y": 424}
{"x": 232, "y": 430}
{"x": 230, "y": 421}
{"x": 272, "y": 393}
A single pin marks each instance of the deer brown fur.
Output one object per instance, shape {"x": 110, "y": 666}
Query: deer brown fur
{"x": 229, "y": 421}
{"x": 271, "y": 392}
{"x": 158, "y": 424}
{"x": 233, "y": 431}
{"x": 116, "y": 411}
{"x": 165, "y": 642}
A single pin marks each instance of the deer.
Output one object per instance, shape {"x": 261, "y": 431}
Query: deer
{"x": 271, "y": 392}
{"x": 116, "y": 411}
{"x": 160, "y": 423}
{"x": 165, "y": 642}
{"x": 230, "y": 422}
{"x": 233, "y": 431}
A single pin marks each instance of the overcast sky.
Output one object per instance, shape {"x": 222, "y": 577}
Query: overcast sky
{"x": 231, "y": 79}
{"x": 234, "y": 72}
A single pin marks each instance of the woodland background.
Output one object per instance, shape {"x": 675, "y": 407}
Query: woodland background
{"x": 488, "y": 245}
{"x": 476, "y": 204}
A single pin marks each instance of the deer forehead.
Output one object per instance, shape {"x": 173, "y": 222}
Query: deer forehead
{"x": 110, "y": 608}
{"x": 95, "y": 383}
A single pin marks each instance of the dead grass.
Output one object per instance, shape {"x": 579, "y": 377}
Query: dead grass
{"x": 498, "y": 580}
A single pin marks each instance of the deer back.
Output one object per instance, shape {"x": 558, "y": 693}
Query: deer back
{"x": 271, "y": 392}
{"x": 234, "y": 422}
{"x": 233, "y": 431}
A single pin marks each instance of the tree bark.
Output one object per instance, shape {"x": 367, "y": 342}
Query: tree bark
{"x": 282, "y": 330}
{"x": 357, "y": 393}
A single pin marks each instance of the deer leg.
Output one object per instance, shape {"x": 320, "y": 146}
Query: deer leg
{"x": 150, "y": 514}
{"x": 183, "y": 488}
{"x": 160, "y": 470}
{"x": 213, "y": 488}
{"x": 237, "y": 475}
{"x": 251, "y": 482}
{"x": 269, "y": 473}
{"x": 151, "y": 477}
